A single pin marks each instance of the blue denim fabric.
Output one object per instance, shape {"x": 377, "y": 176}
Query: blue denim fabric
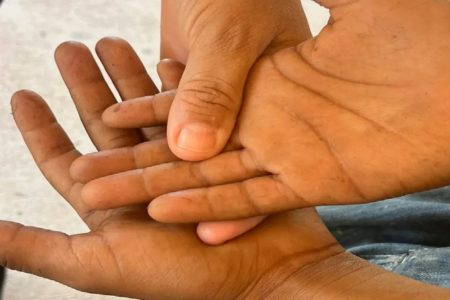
{"x": 408, "y": 235}
{"x": 2, "y": 278}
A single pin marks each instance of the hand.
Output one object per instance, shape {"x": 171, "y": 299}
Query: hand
{"x": 342, "y": 118}
{"x": 120, "y": 238}
{"x": 131, "y": 80}
{"x": 230, "y": 34}
{"x": 125, "y": 253}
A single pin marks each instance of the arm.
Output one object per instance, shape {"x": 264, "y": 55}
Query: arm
{"x": 343, "y": 276}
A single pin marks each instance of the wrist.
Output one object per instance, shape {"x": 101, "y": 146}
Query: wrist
{"x": 340, "y": 276}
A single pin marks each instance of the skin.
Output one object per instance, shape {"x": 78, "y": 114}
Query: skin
{"x": 209, "y": 98}
{"x": 125, "y": 253}
{"x": 205, "y": 34}
{"x": 131, "y": 80}
{"x": 364, "y": 104}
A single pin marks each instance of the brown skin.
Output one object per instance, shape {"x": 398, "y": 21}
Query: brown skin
{"x": 205, "y": 34}
{"x": 126, "y": 254}
{"x": 131, "y": 81}
{"x": 364, "y": 105}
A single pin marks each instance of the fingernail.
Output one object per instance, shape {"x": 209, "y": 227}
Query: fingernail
{"x": 197, "y": 137}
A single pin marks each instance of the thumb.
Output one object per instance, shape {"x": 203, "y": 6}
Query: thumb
{"x": 40, "y": 252}
{"x": 208, "y": 100}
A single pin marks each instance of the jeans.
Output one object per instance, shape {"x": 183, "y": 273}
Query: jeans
{"x": 408, "y": 235}
{"x": 2, "y": 277}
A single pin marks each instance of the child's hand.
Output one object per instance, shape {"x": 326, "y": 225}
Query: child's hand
{"x": 219, "y": 41}
{"x": 343, "y": 118}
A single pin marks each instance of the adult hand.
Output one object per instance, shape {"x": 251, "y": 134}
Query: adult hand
{"x": 219, "y": 41}
{"x": 342, "y": 118}
{"x": 126, "y": 253}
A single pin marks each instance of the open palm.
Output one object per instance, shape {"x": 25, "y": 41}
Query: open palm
{"x": 125, "y": 252}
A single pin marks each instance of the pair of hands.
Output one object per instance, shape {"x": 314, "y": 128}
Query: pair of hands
{"x": 291, "y": 255}
{"x": 342, "y": 118}
{"x": 125, "y": 253}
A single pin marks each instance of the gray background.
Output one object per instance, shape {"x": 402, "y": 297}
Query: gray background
{"x": 30, "y": 30}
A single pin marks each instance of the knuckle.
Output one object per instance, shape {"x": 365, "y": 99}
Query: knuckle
{"x": 197, "y": 173}
{"x": 234, "y": 38}
{"x": 119, "y": 141}
{"x": 212, "y": 209}
{"x": 230, "y": 34}
{"x": 208, "y": 95}
{"x": 249, "y": 201}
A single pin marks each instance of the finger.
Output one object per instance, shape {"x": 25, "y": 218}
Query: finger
{"x": 129, "y": 76}
{"x": 49, "y": 145}
{"x": 140, "y": 112}
{"x": 109, "y": 162}
{"x": 53, "y": 255}
{"x": 170, "y": 32}
{"x": 170, "y": 72}
{"x": 208, "y": 100}
{"x": 36, "y": 251}
{"x": 249, "y": 198}
{"x": 149, "y": 112}
{"x": 139, "y": 186}
{"x": 155, "y": 133}
{"x": 217, "y": 233}
{"x": 91, "y": 95}
{"x": 125, "y": 69}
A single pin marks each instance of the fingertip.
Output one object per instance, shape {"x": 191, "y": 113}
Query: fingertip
{"x": 160, "y": 210}
{"x": 79, "y": 168}
{"x": 22, "y": 95}
{"x": 30, "y": 110}
{"x": 194, "y": 141}
{"x": 67, "y": 50}
{"x": 209, "y": 236}
{"x": 170, "y": 72}
{"x": 92, "y": 196}
{"x": 75, "y": 63}
{"x": 153, "y": 210}
{"x": 169, "y": 65}
{"x": 217, "y": 233}
{"x": 107, "y": 42}
{"x": 25, "y": 94}
{"x": 109, "y": 115}
{"x": 166, "y": 61}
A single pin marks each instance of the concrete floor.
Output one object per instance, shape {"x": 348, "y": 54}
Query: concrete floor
{"x": 29, "y": 32}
